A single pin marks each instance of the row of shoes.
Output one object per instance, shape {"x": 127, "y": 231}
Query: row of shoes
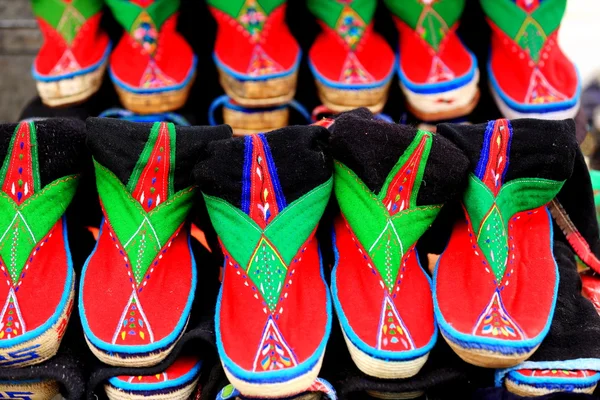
{"x": 257, "y": 58}
{"x": 495, "y": 285}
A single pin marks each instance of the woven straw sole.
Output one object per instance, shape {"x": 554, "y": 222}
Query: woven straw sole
{"x": 73, "y": 90}
{"x": 247, "y": 123}
{"x": 48, "y": 342}
{"x": 487, "y": 358}
{"x": 42, "y": 390}
{"x": 275, "y": 390}
{"x": 384, "y": 369}
{"x": 181, "y": 393}
{"x": 444, "y": 105}
{"x": 154, "y": 103}
{"x": 265, "y": 93}
{"x": 134, "y": 360}
{"x": 340, "y": 100}
{"x": 395, "y": 396}
{"x": 532, "y": 391}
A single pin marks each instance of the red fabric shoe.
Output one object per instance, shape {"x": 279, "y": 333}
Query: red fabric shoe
{"x": 70, "y": 65}
{"x": 530, "y": 77}
{"x": 265, "y": 203}
{"x": 496, "y": 282}
{"x": 138, "y": 284}
{"x": 256, "y": 55}
{"x": 352, "y": 64}
{"x": 535, "y": 382}
{"x": 438, "y": 74}
{"x": 177, "y": 382}
{"x": 152, "y": 67}
{"x": 39, "y": 178}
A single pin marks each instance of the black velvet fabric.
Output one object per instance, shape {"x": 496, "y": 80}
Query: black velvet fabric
{"x": 117, "y": 145}
{"x": 298, "y": 153}
{"x": 371, "y": 147}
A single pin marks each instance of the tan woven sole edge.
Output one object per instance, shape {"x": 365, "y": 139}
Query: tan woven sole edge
{"x": 532, "y": 391}
{"x": 71, "y": 91}
{"x": 135, "y": 361}
{"x": 153, "y": 103}
{"x": 395, "y": 396}
{"x": 249, "y": 123}
{"x": 444, "y": 115}
{"x": 182, "y": 393}
{"x": 270, "y": 92}
{"x": 274, "y": 390}
{"x": 340, "y": 100}
{"x": 384, "y": 369}
{"x": 43, "y": 390}
{"x": 48, "y": 342}
{"x": 487, "y": 358}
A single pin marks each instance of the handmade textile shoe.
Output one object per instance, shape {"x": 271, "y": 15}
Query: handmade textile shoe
{"x": 265, "y": 202}
{"x": 438, "y": 74}
{"x": 70, "y": 65}
{"x": 39, "y": 175}
{"x": 352, "y": 64}
{"x": 152, "y": 67}
{"x": 530, "y": 77}
{"x": 530, "y": 382}
{"x": 138, "y": 284}
{"x": 385, "y": 208}
{"x": 256, "y": 55}
{"x": 176, "y": 383}
{"x": 496, "y": 282}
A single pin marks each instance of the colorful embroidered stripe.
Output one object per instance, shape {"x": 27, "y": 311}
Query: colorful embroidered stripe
{"x": 493, "y": 164}
{"x": 20, "y": 171}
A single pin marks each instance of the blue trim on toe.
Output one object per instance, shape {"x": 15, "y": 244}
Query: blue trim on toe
{"x": 552, "y": 383}
{"x": 247, "y": 78}
{"x": 145, "y": 387}
{"x": 54, "y": 78}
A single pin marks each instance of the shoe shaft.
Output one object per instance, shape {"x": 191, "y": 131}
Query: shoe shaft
{"x": 67, "y": 18}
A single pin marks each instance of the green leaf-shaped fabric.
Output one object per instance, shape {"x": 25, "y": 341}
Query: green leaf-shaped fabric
{"x": 66, "y": 18}
{"x": 234, "y": 7}
{"x": 126, "y": 12}
{"x": 329, "y": 11}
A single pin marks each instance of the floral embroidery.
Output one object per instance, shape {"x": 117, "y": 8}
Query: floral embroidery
{"x": 350, "y": 26}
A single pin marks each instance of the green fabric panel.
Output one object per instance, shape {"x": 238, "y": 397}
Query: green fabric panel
{"x": 22, "y": 227}
{"x": 365, "y": 8}
{"x": 269, "y": 5}
{"x": 126, "y": 12}
{"x": 327, "y": 11}
{"x": 505, "y": 14}
{"x": 526, "y": 194}
{"x": 52, "y": 11}
{"x": 144, "y": 157}
{"x": 231, "y": 7}
{"x": 450, "y": 10}
{"x": 409, "y": 11}
{"x": 292, "y": 227}
{"x": 478, "y": 200}
{"x": 238, "y": 232}
{"x": 549, "y": 14}
{"x": 161, "y": 10}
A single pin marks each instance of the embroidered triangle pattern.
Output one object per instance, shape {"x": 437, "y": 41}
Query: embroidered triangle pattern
{"x": 273, "y": 352}
{"x": 495, "y": 322}
{"x": 393, "y": 335}
{"x": 540, "y": 91}
{"x": 154, "y": 78}
{"x": 268, "y": 271}
{"x": 133, "y": 328}
{"x": 11, "y": 321}
{"x": 66, "y": 64}
{"x": 262, "y": 64}
{"x": 439, "y": 72}
{"x": 353, "y": 71}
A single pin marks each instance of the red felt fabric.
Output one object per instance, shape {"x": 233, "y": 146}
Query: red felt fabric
{"x": 173, "y": 56}
{"x": 107, "y": 288}
{"x": 234, "y": 46}
{"x": 512, "y": 67}
{"x": 464, "y": 287}
{"x": 329, "y": 52}
{"x": 180, "y": 367}
{"x": 302, "y": 322}
{"x": 356, "y": 280}
{"x": 416, "y": 56}
{"x": 89, "y": 45}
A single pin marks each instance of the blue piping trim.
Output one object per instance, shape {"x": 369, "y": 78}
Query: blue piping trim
{"x": 279, "y": 196}
{"x": 245, "y": 77}
{"x": 385, "y": 355}
{"x": 579, "y": 363}
{"x": 246, "y": 178}
{"x": 281, "y": 376}
{"x": 540, "y": 381}
{"x": 142, "y": 387}
{"x": 46, "y": 78}
{"x": 350, "y": 86}
{"x": 40, "y": 330}
{"x": 501, "y": 346}
{"x": 533, "y": 108}
{"x": 133, "y": 89}
{"x": 127, "y": 115}
{"x": 434, "y": 88}
{"x": 485, "y": 150}
{"x": 141, "y": 349}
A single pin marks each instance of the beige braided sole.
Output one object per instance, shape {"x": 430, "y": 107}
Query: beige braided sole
{"x": 265, "y": 93}
{"x": 182, "y": 393}
{"x": 71, "y": 90}
{"x": 532, "y": 391}
{"x": 340, "y": 100}
{"x": 244, "y": 123}
{"x": 43, "y": 390}
{"x": 395, "y": 396}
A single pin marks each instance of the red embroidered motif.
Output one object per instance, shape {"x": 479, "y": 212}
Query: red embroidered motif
{"x": 18, "y": 183}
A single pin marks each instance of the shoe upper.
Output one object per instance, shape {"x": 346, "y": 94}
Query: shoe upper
{"x": 73, "y": 40}
{"x": 349, "y": 52}
{"x": 151, "y": 55}
{"x": 253, "y": 40}
{"x": 529, "y": 71}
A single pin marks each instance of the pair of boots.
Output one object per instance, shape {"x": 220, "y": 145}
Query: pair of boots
{"x": 152, "y": 67}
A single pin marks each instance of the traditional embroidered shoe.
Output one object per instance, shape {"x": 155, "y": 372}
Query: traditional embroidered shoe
{"x": 530, "y": 77}
{"x": 532, "y": 382}
{"x": 496, "y": 282}
{"x": 39, "y": 175}
{"x": 256, "y": 55}
{"x": 138, "y": 284}
{"x": 152, "y": 67}
{"x": 438, "y": 74}
{"x": 265, "y": 202}
{"x": 176, "y": 383}
{"x": 70, "y": 65}
{"x": 352, "y": 64}
{"x": 385, "y": 208}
